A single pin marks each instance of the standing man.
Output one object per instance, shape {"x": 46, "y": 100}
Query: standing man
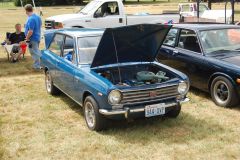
{"x": 33, "y": 35}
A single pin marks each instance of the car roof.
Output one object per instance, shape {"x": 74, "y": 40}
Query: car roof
{"x": 206, "y": 26}
{"x": 80, "y": 32}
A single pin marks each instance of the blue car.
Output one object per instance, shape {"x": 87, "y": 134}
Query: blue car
{"x": 210, "y": 56}
{"x": 112, "y": 73}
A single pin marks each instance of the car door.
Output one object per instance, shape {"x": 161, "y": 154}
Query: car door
{"x": 56, "y": 49}
{"x": 67, "y": 65}
{"x": 186, "y": 56}
{"x": 87, "y": 47}
{"x": 108, "y": 15}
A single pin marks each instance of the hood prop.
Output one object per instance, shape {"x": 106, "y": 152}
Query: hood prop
{"x": 116, "y": 53}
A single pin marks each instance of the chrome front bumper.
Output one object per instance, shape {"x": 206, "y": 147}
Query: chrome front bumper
{"x": 126, "y": 111}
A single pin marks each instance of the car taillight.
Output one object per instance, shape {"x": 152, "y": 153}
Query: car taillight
{"x": 58, "y": 25}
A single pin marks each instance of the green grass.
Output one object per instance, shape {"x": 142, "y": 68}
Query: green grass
{"x": 35, "y": 125}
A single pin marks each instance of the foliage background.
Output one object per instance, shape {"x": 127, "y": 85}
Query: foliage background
{"x": 49, "y": 2}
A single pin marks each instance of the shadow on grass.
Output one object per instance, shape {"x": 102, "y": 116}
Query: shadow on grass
{"x": 23, "y": 67}
{"x": 71, "y": 103}
{"x": 183, "y": 129}
{"x": 207, "y": 96}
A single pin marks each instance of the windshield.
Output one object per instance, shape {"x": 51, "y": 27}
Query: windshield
{"x": 89, "y": 7}
{"x": 87, "y": 47}
{"x": 219, "y": 40}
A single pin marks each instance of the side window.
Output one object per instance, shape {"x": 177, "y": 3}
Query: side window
{"x": 188, "y": 40}
{"x": 185, "y": 8}
{"x": 107, "y": 9}
{"x": 68, "y": 49}
{"x": 202, "y": 8}
{"x": 171, "y": 37}
{"x": 56, "y": 45}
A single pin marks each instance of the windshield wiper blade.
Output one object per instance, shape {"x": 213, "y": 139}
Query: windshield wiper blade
{"x": 224, "y": 50}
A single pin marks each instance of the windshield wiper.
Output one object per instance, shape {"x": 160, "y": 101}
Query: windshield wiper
{"x": 224, "y": 50}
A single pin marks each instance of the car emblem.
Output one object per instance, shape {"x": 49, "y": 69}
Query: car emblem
{"x": 152, "y": 93}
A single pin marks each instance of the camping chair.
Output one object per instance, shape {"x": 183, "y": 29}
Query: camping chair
{"x": 14, "y": 51}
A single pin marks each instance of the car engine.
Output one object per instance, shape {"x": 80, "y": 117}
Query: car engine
{"x": 140, "y": 78}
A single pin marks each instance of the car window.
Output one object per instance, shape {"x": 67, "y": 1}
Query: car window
{"x": 56, "y": 45}
{"x": 188, "y": 40}
{"x": 108, "y": 9}
{"x": 87, "y": 47}
{"x": 202, "y": 8}
{"x": 185, "y": 8}
{"x": 68, "y": 49}
{"x": 171, "y": 37}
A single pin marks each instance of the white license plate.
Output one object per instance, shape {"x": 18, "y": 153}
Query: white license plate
{"x": 155, "y": 110}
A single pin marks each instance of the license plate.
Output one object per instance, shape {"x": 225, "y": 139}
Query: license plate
{"x": 155, "y": 110}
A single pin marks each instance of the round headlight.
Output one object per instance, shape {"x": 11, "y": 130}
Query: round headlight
{"x": 182, "y": 87}
{"x": 114, "y": 97}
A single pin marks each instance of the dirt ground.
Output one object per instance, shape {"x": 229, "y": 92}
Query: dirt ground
{"x": 35, "y": 125}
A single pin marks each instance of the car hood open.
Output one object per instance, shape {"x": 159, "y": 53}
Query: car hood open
{"x": 137, "y": 43}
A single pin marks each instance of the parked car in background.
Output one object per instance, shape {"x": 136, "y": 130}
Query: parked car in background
{"x": 112, "y": 73}
{"x": 106, "y": 14}
{"x": 210, "y": 55}
{"x": 189, "y": 10}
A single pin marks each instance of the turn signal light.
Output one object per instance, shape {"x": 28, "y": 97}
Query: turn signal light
{"x": 238, "y": 80}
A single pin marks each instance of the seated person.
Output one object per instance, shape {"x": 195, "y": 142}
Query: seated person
{"x": 68, "y": 56}
{"x": 16, "y": 37}
{"x": 16, "y": 40}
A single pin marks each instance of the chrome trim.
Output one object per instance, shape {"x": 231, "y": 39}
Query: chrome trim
{"x": 184, "y": 100}
{"x": 143, "y": 95}
{"x": 68, "y": 95}
{"x": 125, "y": 111}
{"x": 49, "y": 24}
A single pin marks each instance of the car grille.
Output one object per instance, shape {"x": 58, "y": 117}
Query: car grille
{"x": 149, "y": 95}
{"x": 49, "y": 24}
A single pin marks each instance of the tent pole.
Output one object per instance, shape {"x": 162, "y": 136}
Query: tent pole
{"x": 34, "y": 4}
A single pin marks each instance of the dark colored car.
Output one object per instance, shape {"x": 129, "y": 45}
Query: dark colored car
{"x": 210, "y": 55}
{"x": 112, "y": 73}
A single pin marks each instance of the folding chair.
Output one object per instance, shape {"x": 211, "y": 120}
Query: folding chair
{"x": 14, "y": 51}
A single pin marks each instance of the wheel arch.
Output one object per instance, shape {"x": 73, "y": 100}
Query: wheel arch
{"x": 85, "y": 95}
{"x": 219, "y": 74}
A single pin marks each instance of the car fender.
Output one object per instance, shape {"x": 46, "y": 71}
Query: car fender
{"x": 220, "y": 74}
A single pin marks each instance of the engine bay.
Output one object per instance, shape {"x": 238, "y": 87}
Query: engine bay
{"x": 135, "y": 75}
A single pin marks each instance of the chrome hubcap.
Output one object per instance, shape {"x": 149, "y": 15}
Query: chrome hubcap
{"x": 48, "y": 82}
{"x": 221, "y": 92}
{"x": 90, "y": 114}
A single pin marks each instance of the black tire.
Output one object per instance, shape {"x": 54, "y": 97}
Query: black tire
{"x": 174, "y": 112}
{"x": 98, "y": 121}
{"x": 51, "y": 89}
{"x": 223, "y": 92}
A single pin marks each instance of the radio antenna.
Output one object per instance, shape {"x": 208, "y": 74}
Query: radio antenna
{"x": 116, "y": 53}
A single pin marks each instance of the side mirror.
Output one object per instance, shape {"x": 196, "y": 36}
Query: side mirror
{"x": 96, "y": 15}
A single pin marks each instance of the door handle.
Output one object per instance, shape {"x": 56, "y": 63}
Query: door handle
{"x": 88, "y": 20}
{"x": 120, "y": 20}
{"x": 76, "y": 79}
{"x": 175, "y": 52}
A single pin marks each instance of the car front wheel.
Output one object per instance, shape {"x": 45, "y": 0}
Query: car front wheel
{"x": 94, "y": 120}
{"x": 174, "y": 112}
{"x": 51, "y": 89}
{"x": 223, "y": 92}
